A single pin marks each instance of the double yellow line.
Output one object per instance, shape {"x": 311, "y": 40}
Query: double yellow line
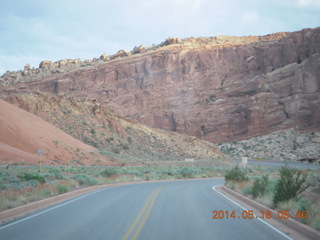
{"x": 146, "y": 210}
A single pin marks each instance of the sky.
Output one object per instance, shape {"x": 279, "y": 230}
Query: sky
{"x": 36, "y": 30}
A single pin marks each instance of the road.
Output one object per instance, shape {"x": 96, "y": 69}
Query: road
{"x": 279, "y": 164}
{"x": 158, "y": 210}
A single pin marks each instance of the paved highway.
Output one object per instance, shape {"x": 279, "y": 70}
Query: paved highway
{"x": 158, "y": 210}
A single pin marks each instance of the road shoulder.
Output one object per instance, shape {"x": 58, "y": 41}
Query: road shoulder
{"x": 290, "y": 227}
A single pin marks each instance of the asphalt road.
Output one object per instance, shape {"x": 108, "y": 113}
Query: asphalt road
{"x": 160, "y": 210}
{"x": 279, "y": 164}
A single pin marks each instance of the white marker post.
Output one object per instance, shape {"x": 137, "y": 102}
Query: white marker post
{"x": 40, "y": 153}
{"x": 244, "y": 161}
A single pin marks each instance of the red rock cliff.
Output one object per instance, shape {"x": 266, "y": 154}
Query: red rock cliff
{"x": 220, "y": 89}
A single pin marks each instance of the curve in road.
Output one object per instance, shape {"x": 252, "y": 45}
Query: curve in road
{"x": 157, "y": 210}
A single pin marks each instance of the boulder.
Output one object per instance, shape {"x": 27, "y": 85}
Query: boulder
{"x": 105, "y": 57}
{"x": 120, "y": 54}
{"x": 140, "y": 49}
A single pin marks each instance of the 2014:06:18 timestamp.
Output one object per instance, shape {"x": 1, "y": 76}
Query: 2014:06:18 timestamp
{"x": 248, "y": 214}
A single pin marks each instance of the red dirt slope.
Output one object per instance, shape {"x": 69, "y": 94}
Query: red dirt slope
{"x": 22, "y": 134}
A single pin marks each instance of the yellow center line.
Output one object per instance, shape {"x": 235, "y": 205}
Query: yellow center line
{"x": 151, "y": 199}
{"x": 135, "y": 236}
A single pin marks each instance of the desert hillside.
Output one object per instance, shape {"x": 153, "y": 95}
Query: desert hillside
{"x": 23, "y": 133}
{"x": 122, "y": 141}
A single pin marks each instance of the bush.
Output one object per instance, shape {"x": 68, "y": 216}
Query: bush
{"x": 61, "y": 188}
{"x": 109, "y": 172}
{"x": 55, "y": 174}
{"x": 260, "y": 186}
{"x": 291, "y": 183}
{"x": 236, "y": 174}
{"x": 84, "y": 180}
{"x": 186, "y": 172}
{"x": 31, "y": 176}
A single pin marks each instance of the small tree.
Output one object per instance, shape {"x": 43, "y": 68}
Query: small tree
{"x": 260, "y": 186}
{"x": 291, "y": 183}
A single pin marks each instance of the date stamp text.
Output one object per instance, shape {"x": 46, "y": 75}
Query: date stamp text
{"x": 249, "y": 214}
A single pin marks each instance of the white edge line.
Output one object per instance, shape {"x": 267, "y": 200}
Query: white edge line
{"x": 52, "y": 208}
{"x": 261, "y": 220}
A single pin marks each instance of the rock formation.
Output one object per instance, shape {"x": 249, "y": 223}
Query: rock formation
{"x": 220, "y": 89}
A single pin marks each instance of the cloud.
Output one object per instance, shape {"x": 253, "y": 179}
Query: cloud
{"x": 309, "y": 3}
{"x": 83, "y": 29}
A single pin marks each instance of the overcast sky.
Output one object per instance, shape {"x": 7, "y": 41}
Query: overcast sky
{"x": 36, "y": 30}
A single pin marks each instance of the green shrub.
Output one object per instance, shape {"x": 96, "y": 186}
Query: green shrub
{"x": 31, "y": 176}
{"x": 147, "y": 177}
{"x": 56, "y": 174}
{"x": 170, "y": 172}
{"x": 186, "y": 172}
{"x": 84, "y": 179}
{"x": 260, "y": 186}
{"x": 291, "y": 183}
{"x": 109, "y": 172}
{"x": 236, "y": 174}
{"x": 61, "y": 188}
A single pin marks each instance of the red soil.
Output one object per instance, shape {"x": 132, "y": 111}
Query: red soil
{"x": 22, "y": 134}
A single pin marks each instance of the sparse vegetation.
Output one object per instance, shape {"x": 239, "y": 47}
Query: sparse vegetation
{"x": 187, "y": 172}
{"x": 236, "y": 174}
{"x": 62, "y": 188}
{"x": 84, "y": 180}
{"x": 287, "y": 145}
{"x": 109, "y": 172}
{"x": 291, "y": 183}
{"x": 23, "y": 185}
{"x": 26, "y": 176}
{"x": 260, "y": 186}
{"x": 285, "y": 189}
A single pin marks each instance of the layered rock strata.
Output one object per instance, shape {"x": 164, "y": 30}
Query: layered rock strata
{"x": 220, "y": 89}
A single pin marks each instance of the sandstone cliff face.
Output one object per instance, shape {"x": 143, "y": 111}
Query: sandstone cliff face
{"x": 220, "y": 89}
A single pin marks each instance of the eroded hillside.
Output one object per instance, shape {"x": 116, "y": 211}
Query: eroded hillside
{"x": 121, "y": 140}
{"x": 22, "y": 134}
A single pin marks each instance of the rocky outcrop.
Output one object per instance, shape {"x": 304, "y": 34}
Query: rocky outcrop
{"x": 120, "y": 54}
{"x": 171, "y": 40}
{"x": 45, "y": 64}
{"x": 140, "y": 49}
{"x": 105, "y": 57}
{"x": 220, "y": 89}
{"x": 26, "y": 70}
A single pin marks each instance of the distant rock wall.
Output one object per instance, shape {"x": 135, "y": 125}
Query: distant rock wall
{"x": 220, "y": 89}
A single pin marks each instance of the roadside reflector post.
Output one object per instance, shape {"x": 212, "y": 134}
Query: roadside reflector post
{"x": 259, "y": 160}
{"x": 40, "y": 153}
